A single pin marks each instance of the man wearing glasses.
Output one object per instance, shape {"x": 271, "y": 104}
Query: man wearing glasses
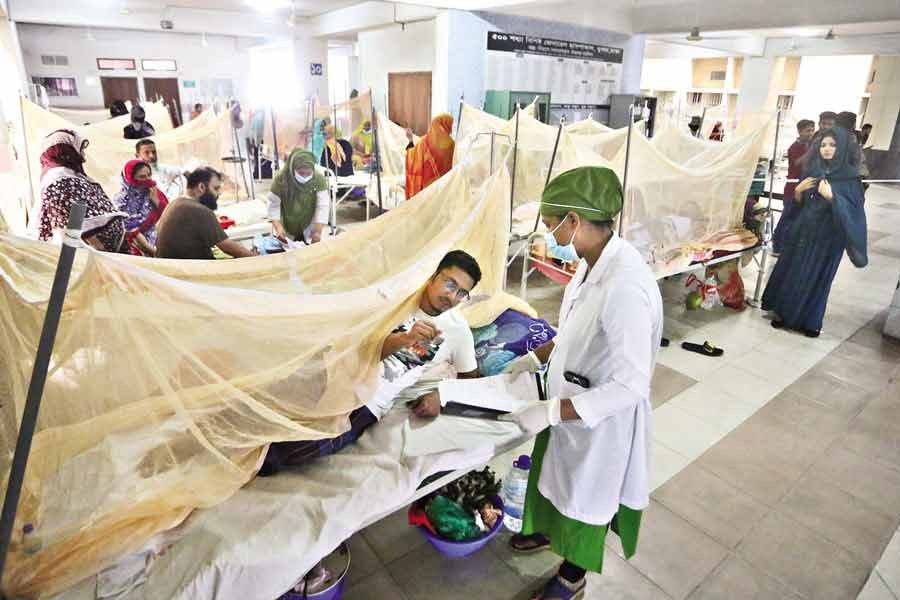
{"x": 433, "y": 344}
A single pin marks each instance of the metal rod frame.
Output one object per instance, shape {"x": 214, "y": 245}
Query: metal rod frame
{"x": 512, "y": 185}
{"x": 770, "y": 219}
{"x": 377, "y": 162}
{"x": 36, "y": 385}
{"x": 562, "y": 122}
{"x": 625, "y": 170}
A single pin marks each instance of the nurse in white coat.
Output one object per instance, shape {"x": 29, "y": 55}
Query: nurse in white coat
{"x": 590, "y": 460}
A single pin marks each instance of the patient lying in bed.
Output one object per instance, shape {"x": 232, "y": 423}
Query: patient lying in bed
{"x": 432, "y": 344}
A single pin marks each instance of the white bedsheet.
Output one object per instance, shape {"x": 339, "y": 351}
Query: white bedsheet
{"x": 258, "y": 543}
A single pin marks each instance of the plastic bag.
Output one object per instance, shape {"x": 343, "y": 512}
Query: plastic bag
{"x": 451, "y": 520}
{"x": 731, "y": 285}
{"x": 711, "y": 298}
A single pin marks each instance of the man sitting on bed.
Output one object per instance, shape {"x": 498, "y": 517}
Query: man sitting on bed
{"x": 434, "y": 339}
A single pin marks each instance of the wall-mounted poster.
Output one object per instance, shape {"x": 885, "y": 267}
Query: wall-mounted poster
{"x": 572, "y": 72}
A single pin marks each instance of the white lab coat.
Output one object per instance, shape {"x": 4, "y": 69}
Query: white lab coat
{"x": 609, "y": 332}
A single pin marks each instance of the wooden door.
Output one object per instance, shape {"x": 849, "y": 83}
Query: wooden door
{"x": 165, "y": 88}
{"x": 119, "y": 88}
{"x": 409, "y": 100}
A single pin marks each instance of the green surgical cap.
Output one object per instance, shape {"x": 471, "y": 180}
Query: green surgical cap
{"x": 593, "y": 193}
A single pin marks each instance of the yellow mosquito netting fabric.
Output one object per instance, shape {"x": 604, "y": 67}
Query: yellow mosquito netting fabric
{"x": 202, "y": 141}
{"x": 168, "y": 378}
{"x": 681, "y": 192}
{"x": 100, "y": 122}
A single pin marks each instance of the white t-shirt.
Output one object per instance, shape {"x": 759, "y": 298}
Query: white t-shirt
{"x": 455, "y": 353}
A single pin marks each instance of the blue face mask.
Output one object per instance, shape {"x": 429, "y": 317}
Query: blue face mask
{"x": 565, "y": 253}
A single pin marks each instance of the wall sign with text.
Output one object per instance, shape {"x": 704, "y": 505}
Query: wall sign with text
{"x": 315, "y": 69}
{"x": 574, "y": 73}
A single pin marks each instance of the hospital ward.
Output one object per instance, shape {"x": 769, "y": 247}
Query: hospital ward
{"x": 445, "y": 300}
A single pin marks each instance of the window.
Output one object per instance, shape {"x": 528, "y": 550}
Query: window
{"x": 54, "y": 60}
{"x": 695, "y": 97}
{"x": 116, "y": 64}
{"x": 158, "y": 64}
{"x": 717, "y": 76}
{"x": 712, "y": 99}
{"x": 57, "y": 86}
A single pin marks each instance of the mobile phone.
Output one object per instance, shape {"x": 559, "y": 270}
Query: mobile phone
{"x": 576, "y": 379}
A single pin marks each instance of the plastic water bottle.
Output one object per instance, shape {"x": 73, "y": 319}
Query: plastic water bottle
{"x": 513, "y": 493}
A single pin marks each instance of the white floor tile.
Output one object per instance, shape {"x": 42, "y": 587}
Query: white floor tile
{"x": 876, "y": 589}
{"x": 889, "y": 565}
{"x": 665, "y": 463}
{"x": 744, "y": 385}
{"x": 683, "y": 432}
{"x": 708, "y": 403}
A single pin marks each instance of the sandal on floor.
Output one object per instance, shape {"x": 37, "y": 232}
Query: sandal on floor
{"x": 664, "y": 342}
{"x": 528, "y": 544}
{"x": 705, "y": 349}
{"x": 776, "y": 324}
{"x": 811, "y": 333}
{"x": 560, "y": 589}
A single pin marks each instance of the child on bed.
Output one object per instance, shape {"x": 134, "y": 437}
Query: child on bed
{"x": 431, "y": 341}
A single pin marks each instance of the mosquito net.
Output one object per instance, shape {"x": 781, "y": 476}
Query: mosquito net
{"x": 168, "y": 378}
{"x": 203, "y": 141}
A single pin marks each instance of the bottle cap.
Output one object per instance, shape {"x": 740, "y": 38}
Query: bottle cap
{"x": 523, "y": 462}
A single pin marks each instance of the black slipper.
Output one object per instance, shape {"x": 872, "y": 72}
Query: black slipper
{"x": 777, "y": 324}
{"x": 664, "y": 343}
{"x": 706, "y": 349}
{"x": 810, "y": 333}
{"x": 527, "y": 544}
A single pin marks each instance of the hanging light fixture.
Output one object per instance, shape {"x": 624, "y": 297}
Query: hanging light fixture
{"x": 203, "y": 41}
{"x": 695, "y": 36}
{"x": 292, "y": 19}
{"x": 830, "y": 35}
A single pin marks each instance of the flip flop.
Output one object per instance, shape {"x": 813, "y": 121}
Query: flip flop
{"x": 559, "y": 589}
{"x": 706, "y": 349}
{"x": 664, "y": 342}
{"x": 528, "y": 544}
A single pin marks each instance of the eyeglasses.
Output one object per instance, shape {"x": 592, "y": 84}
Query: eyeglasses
{"x": 451, "y": 286}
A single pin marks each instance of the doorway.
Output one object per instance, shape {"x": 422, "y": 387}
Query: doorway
{"x": 119, "y": 88}
{"x": 166, "y": 89}
{"x": 409, "y": 100}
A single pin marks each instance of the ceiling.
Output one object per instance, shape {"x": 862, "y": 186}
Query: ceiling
{"x": 303, "y": 8}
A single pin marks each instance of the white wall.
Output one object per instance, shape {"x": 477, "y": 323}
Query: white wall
{"x": 667, "y": 74}
{"x": 834, "y": 83}
{"x": 223, "y": 58}
{"x": 395, "y": 50}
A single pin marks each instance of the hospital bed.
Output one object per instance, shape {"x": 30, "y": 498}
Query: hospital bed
{"x": 259, "y": 542}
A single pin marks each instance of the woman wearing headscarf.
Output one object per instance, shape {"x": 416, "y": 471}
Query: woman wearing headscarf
{"x": 589, "y": 469}
{"x": 63, "y": 181}
{"x": 139, "y": 128}
{"x": 431, "y": 157}
{"x": 363, "y": 142}
{"x": 338, "y": 153}
{"x": 299, "y": 200}
{"x": 144, "y": 202}
{"x": 832, "y": 221}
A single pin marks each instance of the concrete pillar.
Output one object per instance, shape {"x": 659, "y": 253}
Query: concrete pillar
{"x": 884, "y": 103}
{"x": 760, "y": 80}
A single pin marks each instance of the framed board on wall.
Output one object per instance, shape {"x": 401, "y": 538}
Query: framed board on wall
{"x": 573, "y": 73}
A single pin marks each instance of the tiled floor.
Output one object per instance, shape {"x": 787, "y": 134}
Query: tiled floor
{"x": 776, "y": 468}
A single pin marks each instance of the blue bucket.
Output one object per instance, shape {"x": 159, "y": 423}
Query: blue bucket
{"x": 333, "y": 592}
{"x": 456, "y": 549}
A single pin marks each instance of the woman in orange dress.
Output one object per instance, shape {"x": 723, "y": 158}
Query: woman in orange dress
{"x": 431, "y": 157}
